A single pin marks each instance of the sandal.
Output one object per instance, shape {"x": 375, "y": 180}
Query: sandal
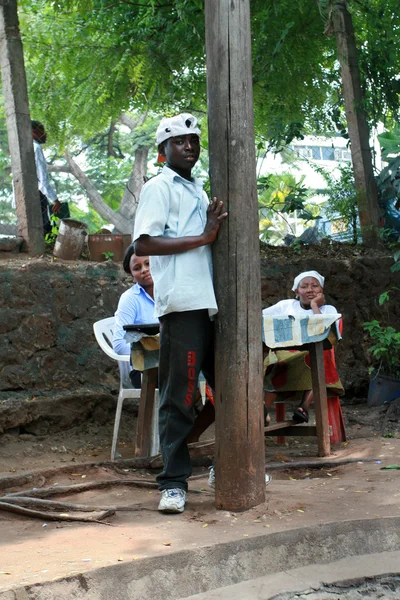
{"x": 300, "y": 415}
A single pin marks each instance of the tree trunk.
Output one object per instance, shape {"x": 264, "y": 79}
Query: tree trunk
{"x": 367, "y": 191}
{"x": 354, "y": 224}
{"x": 29, "y": 213}
{"x": 240, "y": 469}
{"x": 130, "y": 198}
{"x": 121, "y": 223}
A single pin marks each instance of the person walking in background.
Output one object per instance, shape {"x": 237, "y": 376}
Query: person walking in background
{"x": 46, "y": 190}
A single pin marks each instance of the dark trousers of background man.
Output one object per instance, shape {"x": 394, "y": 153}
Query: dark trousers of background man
{"x": 44, "y": 203}
{"x": 186, "y": 348}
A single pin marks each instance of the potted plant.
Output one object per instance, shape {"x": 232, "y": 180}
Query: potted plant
{"x": 108, "y": 246}
{"x": 385, "y": 351}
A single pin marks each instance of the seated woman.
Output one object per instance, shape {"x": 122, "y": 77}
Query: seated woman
{"x": 288, "y": 371}
{"x": 135, "y": 306}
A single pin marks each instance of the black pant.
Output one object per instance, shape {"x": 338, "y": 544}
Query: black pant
{"x": 44, "y": 203}
{"x": 186, "y": 348}
{"x": 136, "y": 379}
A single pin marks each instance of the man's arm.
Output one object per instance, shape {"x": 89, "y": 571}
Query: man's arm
{"x": 43, "y": 178}
{"x": 161, "y": 245}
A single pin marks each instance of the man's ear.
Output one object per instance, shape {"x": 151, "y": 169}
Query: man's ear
{"x": 161, "y": 153}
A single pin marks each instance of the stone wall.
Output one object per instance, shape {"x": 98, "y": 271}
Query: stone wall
{"x": 47, "y": 346}
{"x": 46, "y": 335}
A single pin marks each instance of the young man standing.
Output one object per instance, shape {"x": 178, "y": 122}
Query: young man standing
{"x": 176, "y": 225}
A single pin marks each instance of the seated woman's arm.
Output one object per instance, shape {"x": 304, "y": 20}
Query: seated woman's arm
{"x": 125, "y": 315}
{"x": 280, "y": 309}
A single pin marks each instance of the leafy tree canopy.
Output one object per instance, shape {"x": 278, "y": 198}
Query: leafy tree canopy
{"x": 89, "y": 60}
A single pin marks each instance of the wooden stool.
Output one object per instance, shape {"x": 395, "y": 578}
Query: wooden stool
{"x": 321, "y": 428}
{"x": 337, "y": 429}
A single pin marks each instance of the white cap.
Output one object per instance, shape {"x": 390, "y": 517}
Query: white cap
{"x": 314, "y": 274}
{"x": 184, "y": 124}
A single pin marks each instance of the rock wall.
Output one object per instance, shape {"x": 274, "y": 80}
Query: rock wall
{"x": 47, "y": 346}
{"x": 46, "y": 334}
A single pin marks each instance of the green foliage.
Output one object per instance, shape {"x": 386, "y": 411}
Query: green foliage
{"x": 383, "y": 298}
{"x": 89, "y": 61}
{"x": 293, "y": 70}
{"x": 7, "y": 213}
{"x": 342, "y": 196}
{"x": 377, "y": 26}
{"x": 385, "y": 351}
{"x": 390, "y": 142}
{"x": 281, "y": 196}
{"x": 108, "y": 255}
{"x": 51, "y": 237}
{"x": 389, "y": 180}
{"x": 91, "y": 218}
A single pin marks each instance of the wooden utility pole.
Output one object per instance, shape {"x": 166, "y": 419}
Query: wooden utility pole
{"x": 367, "y": 190}
{"x": 240, "y": 462}
{"x": 29, "y": 214}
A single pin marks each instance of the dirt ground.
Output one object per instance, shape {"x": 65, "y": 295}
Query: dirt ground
{"x": 34, "y": 550}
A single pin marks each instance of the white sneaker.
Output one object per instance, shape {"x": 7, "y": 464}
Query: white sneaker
{"x": 172, "y": 501}
{"x": 211, "y": 478}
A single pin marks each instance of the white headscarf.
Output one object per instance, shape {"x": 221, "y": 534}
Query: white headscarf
{"x": 314, "y": 274}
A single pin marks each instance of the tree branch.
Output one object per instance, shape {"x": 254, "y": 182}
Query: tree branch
{"x": 121, "y": 223}
{"x": 130, "y": 122}
{"x": 58, "y": 168}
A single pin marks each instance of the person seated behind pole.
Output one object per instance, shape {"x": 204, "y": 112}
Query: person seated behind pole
{"x": 135, "y": 306}
{"x": 292, "y": 372}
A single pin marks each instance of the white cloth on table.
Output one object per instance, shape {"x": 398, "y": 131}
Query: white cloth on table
{"x": 293, "y": 307}
{"x": 287, "y": 324}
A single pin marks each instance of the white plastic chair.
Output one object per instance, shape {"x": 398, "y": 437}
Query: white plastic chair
{"x": 104, "y": 333}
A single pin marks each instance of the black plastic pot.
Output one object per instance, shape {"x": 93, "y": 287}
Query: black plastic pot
{"x": 382, "y": 389}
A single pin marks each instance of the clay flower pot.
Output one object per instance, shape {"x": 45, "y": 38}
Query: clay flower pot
{"x": 108, "y": 246}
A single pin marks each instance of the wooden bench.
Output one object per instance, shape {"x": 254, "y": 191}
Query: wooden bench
{"x": 321, "y": 428}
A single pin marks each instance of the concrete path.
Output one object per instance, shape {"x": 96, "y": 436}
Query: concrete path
{"x": 308, "y": 579}
{"x": 204, "y": 571}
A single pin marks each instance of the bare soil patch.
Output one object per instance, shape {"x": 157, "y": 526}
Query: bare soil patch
{"x": 35, "y": 550}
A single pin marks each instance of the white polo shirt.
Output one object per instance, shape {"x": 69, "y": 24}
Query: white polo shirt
{"x": 172, "y": 206}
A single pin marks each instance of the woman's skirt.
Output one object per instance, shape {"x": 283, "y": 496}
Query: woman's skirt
{"x": 290, "y": 371}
